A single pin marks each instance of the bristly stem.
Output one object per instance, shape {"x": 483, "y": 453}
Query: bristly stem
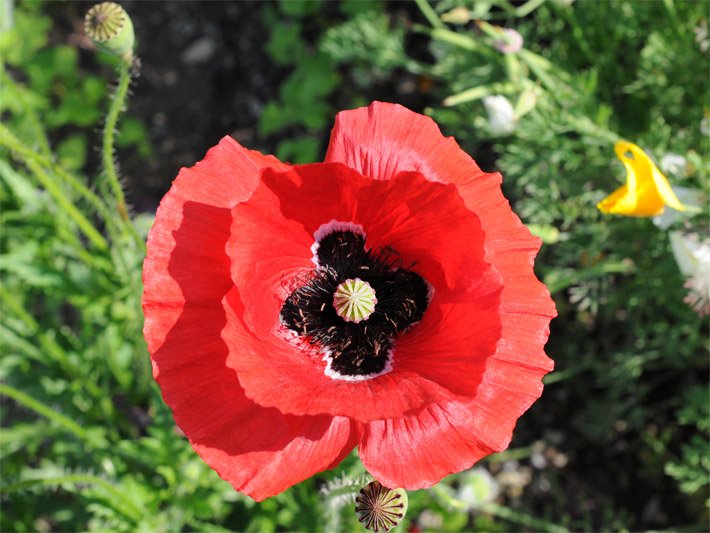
{"x": 117, "y": 105}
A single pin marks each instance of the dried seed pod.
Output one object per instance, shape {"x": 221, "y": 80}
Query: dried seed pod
{"x": 380, "y": 508}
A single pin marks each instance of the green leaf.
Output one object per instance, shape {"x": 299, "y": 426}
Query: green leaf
{"x": 132, "y": 132}
{"x": 29, "y": 33}
{"x": 72, "y": 152}
{"x": 285, "y": 45}
{"x": 299, "y": 150}
{"x": 299, "y": 8}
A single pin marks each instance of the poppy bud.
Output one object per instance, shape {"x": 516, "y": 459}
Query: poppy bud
{"x": 110, "y": 28}
{"x": 526, "y": 102}
{"x": 458, "y": 15}
{"x": 380, "y": 508}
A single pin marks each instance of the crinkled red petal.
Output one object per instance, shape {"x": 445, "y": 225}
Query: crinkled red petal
{"x": 261, "y": 452}
{"x": 192, "y": 220}
{"x": 272, "y": 233}
{"x": 417, "y": 451}
{"x": 382, "y": 141}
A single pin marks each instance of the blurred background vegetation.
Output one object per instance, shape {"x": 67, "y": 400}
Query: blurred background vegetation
{"x": 619, "y": 440}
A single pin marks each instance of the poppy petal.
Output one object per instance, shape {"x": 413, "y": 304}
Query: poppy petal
{"x": 417, "y": 451}
{"x": 383, "y": 139}
{"x": 440, "y": 358}
{"x": 186, "y": 260}
{"x": 259, "y": 451}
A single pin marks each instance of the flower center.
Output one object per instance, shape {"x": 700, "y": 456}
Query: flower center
{"x": 354, "y": 300}
{"x": 354, "y": 304}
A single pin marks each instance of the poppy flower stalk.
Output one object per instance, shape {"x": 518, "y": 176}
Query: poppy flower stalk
{"x": 383, "y": 299}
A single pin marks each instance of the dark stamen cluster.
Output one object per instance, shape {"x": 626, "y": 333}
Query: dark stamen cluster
{"x": 356, "y": 348}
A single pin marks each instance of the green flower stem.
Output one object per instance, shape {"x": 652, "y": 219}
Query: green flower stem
{"x": 11, "y": 300}
{"x": 118, "y": 102}
{"x": 429, "y": 14}
{"x": 524, "y": 10}
{"x": 346, "y": 490}
{"x": 8, "y": 139}
{"x": 107, "y": 149}
{"x": 523, "y": 519}
{"x": 444, "y": 494}
{"x": 478, "y": 92}
{"x": 457, "y": 39}
{"x": 499, "y": 511}
{"x": 36, "y": 162}
{"x": 38, "y": 407}
{"x": 128, "y": 508}
{"x": 86, "y": 227}
{"x": 507, "y": 455}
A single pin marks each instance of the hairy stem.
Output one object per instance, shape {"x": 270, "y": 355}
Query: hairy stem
{"x": 118, "y": 104}
{"x": 107, "y": 149}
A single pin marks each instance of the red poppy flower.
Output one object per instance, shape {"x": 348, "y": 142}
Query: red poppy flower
{"x": 383, "y": 299}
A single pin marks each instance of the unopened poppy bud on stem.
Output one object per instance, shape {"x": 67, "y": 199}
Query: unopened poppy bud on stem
{"x": 110, "y": 28}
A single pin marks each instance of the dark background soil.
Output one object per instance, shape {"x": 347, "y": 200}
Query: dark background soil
{"x": 204, "y": 74}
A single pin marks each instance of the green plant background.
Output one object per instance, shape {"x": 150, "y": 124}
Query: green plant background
{"x": 619, "y": 440}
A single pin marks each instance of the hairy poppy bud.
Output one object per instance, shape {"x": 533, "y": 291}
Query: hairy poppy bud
{"x": 110, "y": 28}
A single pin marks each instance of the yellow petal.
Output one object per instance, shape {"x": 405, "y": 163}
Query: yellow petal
{"x": 664, "y": 189}
{"x": 646, "y": 191}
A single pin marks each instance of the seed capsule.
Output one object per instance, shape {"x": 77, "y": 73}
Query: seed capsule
{"x": 110, "y": 28}
{"x": 380, "y": 508}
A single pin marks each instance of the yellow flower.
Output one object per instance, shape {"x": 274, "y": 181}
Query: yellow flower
{"x": 647, "y": 190}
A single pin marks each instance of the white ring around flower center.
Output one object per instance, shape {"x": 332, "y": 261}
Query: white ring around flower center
{"x": 354, "y": 300}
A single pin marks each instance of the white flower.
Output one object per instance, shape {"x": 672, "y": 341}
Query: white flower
{"x": 477, "y": 488}
{"x": 701, "y": 36}
{"x": 692, "y": 255}
{"x": 673, "y": 164}
{"x": 705, "y": 126}
{"x": 501, "y": 115}
{"x": 688, "y": 197}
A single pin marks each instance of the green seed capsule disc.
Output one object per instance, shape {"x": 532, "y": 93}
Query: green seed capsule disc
{"x": 110, "y": 28}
